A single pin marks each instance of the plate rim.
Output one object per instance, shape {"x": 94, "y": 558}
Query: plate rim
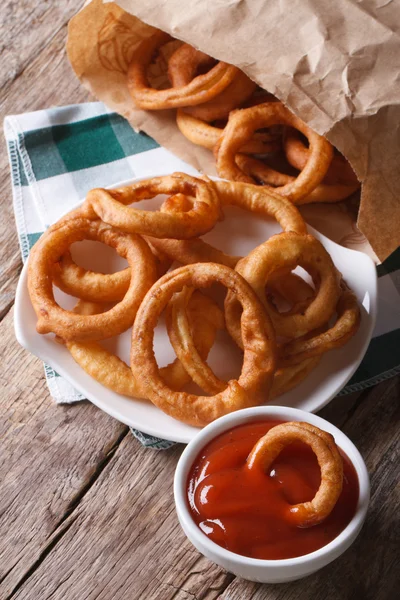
{"x": 109, "y": 409}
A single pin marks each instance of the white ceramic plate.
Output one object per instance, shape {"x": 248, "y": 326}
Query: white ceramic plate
{"x": 239, "y": 233}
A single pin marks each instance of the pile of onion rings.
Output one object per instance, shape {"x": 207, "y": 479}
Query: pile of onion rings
{"x": 282, "y": 323}
{"x": 254, "y": 137}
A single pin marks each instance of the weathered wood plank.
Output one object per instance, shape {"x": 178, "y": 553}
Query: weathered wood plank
{"x": 49, "y": 456}
{"x": 47, "y": 81}
{"x": 369, "y": 569}
{"x": 128, "y": 515}
{"x": 116, "y": 520}
{"x": 25, "y": 29}
{"x": 341, "y": 408}
{"x": 124, "y": 539}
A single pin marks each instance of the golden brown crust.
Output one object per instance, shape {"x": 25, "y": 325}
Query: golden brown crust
{"x": 201, "y": 133}
{"x": 64, "y": 323}
{"x": 297, "y": 155}
{"x": 204, "y": 317}
{"x": 268, "y": 176}
{"x": 240, "y": 128}
{"x": 199, "y": 89}
{"x": 112, "y": 207}
{"x": 346, "y": 326}
{"x": 287, "y": 251}
{"x": 259, "y": 347}
{"x": 329, "y": 459}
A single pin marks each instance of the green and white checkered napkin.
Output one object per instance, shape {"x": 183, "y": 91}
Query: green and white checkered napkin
{"x": 57, "y": 155}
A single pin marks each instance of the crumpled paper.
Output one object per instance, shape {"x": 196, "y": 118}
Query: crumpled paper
{"x": 335, "y": 64}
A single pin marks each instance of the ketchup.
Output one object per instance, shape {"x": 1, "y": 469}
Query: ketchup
{"x": 245, "y": 511}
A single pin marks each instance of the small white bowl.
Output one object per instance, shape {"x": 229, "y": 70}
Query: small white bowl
{"x": 268, "y": 571}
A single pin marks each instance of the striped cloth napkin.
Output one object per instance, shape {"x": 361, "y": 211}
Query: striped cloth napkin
{"x": 57, "y": 155}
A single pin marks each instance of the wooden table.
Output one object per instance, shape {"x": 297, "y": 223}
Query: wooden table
{"x": 85, "y": 511}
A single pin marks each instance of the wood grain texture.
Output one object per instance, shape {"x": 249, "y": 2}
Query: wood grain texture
{"x": 49, "y": 455}
{"x": 26, "y": 28}
{"x": 123, "y": 538}
{"x": 34, "y": 74}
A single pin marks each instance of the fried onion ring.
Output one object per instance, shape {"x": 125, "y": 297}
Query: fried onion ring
{"x": 182, "y": 68}
{"x": 346, "y": 326}
{"x": 205, "y": 319}
{"x": 287, "y": 251}
{"x": 259, "y": 347}
{"x": 188, "y": 252}
{"x": 262, "y": 201}
{"x": 178, "y": 327}
{"x": 201, "y": 133}
{"x": 48, "y": 250}
{"x": 329, "y": 459}
{"x": 89, "y": 285}
{"x": 288, "y": 377}
{"x": 291, "y": 287}
{"x": 297, "y": 155}
{"x": 199, "y": 90}
{"x": 99, "y": 287}
{"x": 111, "y": 206}
{"x": 241, "y": 126}
{"x": 246, "y": 196}
{"x": 270, "y": 177}
{"x": 299, "y": 293}
{"x": 111, "y": 287}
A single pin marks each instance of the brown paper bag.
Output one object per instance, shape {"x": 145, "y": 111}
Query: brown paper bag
{"x": 335, "y": 64}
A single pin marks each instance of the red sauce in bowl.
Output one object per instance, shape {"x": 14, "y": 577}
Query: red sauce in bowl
{"x": 245, "y": 511}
